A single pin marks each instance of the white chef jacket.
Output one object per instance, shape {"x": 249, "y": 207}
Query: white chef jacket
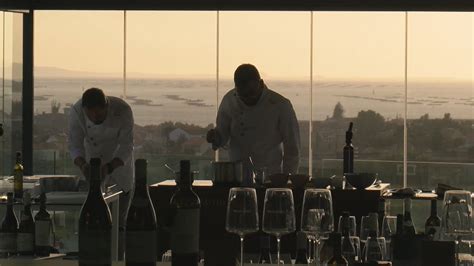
{"x": 112, "y": 138}
{"x": 260, "y": 131}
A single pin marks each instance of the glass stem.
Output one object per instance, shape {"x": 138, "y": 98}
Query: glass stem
{"x": 241, "y": 250}
{"x": 278, "y": 250}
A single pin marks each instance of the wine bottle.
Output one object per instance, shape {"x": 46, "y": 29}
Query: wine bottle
{"x": 185, "y": 226}
{"x": 301, "y": 248}
{"x": 265, "y": 256}
{"x": 8, "y": 230}
{"x": 95, "y": 223}
{"x": 337, "y": 258}
{"x": 43, "y": 228}
{"x": 408, "y": 227}
{"x": 18, "y": 177}
{"x": 26, "y": 231}
{"x": 348, "y": 152}
{"x": 433, "y": 223}
{"x": 141, "y": 227}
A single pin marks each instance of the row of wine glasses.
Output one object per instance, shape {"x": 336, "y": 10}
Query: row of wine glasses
{"x": 278, "y": 214}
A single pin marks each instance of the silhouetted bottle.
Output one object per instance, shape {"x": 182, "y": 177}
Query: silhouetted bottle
{"x": 141, "y": 227}
{"x": 433, "y": 223}
{"x": 26, "y": 230}
{"x": 301, "y": 248}
{"x": 95, "y": 224}
{"x": 8, "y": 230}
{"x": 373, "y": 251}
{"x": 337, "y": 258}
{"x": 265, "y": 256}
{"x": 185, "y": 228}
{"x": 348, "y": 157}
{"x": 18, "y": 177}
{"x": 43, "y": 228}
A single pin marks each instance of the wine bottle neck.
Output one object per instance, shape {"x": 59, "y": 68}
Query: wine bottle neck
{"x": 434, "y": 210}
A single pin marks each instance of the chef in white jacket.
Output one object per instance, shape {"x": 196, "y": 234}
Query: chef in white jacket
{"x": 102, "y": 127}
{"x": 258, "y": 123}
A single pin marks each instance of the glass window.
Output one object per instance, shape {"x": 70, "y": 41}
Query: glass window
{"x": 171, "y": 86}
{"x": 441, "y": 99}
{"x": 87, "y": 51}
{"x": 358, "y": 77}
{"x": 278, "y": 44}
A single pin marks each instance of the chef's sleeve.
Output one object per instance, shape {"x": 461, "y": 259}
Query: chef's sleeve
{"x": 76, "y": 135}
{"x": 125, "y": 137}
{"x": 290, "y": 132}
{"x": 223, "y": 122}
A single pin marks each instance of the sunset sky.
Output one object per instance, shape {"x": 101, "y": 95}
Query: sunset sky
{"x": 350, "y": 45}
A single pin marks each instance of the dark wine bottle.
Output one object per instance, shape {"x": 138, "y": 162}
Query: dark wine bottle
{"x": 265, "y": 256}
{"x": 348, "y": 156}
{"x": 433, "y": 223}
{"x": 43, "y": 228}
{"x": 95, "y": 224}
{"x": 8, "y": 230}
{"x": 337, "y": 258}
{"x": 185, "y": 226}
{"x": 372, "y": 249}
{"x": 408, "y": 226}
{"x": 301, "y": 248}
{"x": 26, "y": 231}
{"x": 141, "y": 227}
{"x": 18, "y": 177}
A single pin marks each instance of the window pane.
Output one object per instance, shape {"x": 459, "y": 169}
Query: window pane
{"x": 441, "y": 100}
{"x": 278, "y": 44}
{"x": 171, "y": 66}
{"x": 87, "y": 51}
{"x": 12, "y": 88}
{"x": 358, "y": 71}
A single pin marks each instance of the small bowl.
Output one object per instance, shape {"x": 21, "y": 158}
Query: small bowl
{"x": 360, "y": 180}
{"x": 279, "y": 180}
{"x": 299, "y": 180}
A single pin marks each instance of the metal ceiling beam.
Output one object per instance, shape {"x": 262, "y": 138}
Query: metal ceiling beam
{"x": 244, "y": 5}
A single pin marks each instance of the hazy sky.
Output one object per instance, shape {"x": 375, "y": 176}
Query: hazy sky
{"x": 346, "y": 45}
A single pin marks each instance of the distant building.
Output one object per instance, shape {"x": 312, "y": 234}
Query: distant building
{"x": 179, "y": 133}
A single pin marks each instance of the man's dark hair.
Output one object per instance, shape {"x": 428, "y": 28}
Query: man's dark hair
{"x": 245, "y": 73}
{"x": 94, "y": 97}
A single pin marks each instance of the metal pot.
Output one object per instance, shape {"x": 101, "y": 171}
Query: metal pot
{"x": 227, "y": 172}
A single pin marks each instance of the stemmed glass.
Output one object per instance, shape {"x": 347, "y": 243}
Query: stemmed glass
{"x": 317, "y": 215}
{"x": 389, "y": 226}
{"x": 242, "y": 214}
{"x": 279, "y": 214}
{"x": 352, "y": 225}
{"x": 457, "y": 215}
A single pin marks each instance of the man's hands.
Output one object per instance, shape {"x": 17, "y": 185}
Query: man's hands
{"x": 109, "y": 167}
{"x": 214, "y": 138}
{"x": 83, "y": 166}
{"x": 106, "y": 169}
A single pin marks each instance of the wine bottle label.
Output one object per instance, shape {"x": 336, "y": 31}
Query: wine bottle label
{"x": 141, "y": 246}
{"x": 25, "y": 242}
{"x": 7, "y": 242}
{"x": 42, "y": 230}
{"x": 432, "y": 230}
{"x": 185, "y": 231}
{"x": 95, "y": 247}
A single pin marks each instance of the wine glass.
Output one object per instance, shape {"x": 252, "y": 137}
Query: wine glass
{"x": 367, "y": 224}
{"x": 242, "y": 214}
{"x": 457, "y": 215}
{"x": 317, "y": 215}
{"x": 389, "y": 226}
{"x": 279, "y": 214}
{"x": 351, "y": 222}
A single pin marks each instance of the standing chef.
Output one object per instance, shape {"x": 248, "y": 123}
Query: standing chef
{"x": 102, "y": 127}
{"x": 258, "y": 124}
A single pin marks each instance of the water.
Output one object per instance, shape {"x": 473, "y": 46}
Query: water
{"x": 194, "y": 101}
